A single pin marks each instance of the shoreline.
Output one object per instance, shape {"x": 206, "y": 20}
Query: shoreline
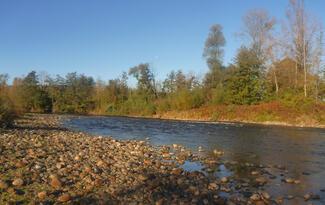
{"x": 197, "y": 120}
{"x": 43, "y": 162}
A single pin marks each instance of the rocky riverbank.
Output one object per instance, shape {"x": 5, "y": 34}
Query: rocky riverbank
{"x": 43, "y": 163}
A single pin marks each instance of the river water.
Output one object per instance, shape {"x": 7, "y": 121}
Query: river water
{"x": 300, "y": 150}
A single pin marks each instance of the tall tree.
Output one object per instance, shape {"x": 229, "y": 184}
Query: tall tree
{"x": 145, "y": 78}
{"x": 29, "y": 91}
{"x": 245, "y": 84}
{"x": 213, "y": 53}
{"x": 317, "y": 61}
{"x": 258, "y": 29}
{"x": 3, "y": 83}
{"x": 302, "y": 39}
{"x": 7, "y": 112}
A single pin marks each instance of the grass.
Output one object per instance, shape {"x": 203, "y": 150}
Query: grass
{"x": 273, "y": 112}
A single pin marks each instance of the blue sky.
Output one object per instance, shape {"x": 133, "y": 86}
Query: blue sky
{"x": 104, "y": 38}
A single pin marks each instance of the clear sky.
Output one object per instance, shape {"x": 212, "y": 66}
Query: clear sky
{"x": 104, "y": 38}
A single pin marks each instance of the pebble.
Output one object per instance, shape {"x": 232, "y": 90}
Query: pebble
{"x": 255, "y": 197}
{"x": 266, "y": 195}
{"x": 224, "y": 179}
{"x": 56, "y": 183}
{"x": 42, "y": 195}
{"x": 3, "y": 185}
{"x": 18, "y": 182}
{"x": 213, "y": 186}
{"x": 260, "y": 203}
{"x": 289, "y": 180}
{"x": 261, "y": 180}
{"x": 297, "y": 181}
{"x": 64, "y": 198}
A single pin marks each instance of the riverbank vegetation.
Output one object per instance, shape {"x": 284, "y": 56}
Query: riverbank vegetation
{"x": 275, "y": 77}
{"x": 7, "y": 111}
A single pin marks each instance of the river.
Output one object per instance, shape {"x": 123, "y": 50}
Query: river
{"x": 300, "y": 150}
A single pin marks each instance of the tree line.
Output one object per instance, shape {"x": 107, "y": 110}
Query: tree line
{"x": 283, "y": 66}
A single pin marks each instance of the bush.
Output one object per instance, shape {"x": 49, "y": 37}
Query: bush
{"x": 137, "y": 105}
{"x": 7, "y": 112}
{"x": 297, "y": 101}
{"x": 217, "y": 96}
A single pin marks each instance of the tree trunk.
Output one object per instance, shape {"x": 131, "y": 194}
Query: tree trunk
{"x": 296, "y": 75}
{"x": 305, "y": 80}
{"x": 316, "y": 90}
{"x": 305, "y": 70}
{"x": 276, "y": 84}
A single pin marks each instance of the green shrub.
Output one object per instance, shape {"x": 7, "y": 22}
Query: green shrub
{"x": 217, "y": 96}
{"x": 297, "y": 101}
{"x": 186, "y": 99}
{"x": 163, "y": 105}
{"x": 137, "y": 105}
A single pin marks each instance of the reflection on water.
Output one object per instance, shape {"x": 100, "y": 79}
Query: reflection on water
{"x": 300, "y": 150}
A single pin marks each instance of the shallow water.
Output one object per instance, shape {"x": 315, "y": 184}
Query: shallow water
{"x": 300, "y": 150}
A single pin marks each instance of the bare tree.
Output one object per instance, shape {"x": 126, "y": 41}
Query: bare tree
{"x": 317, "y": 59}
{"x": 258, "y": 29}
{"x": 302, "y": 38}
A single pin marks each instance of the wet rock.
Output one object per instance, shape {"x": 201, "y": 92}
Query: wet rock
{"x": 289, "y": 180}
{"x": 261, "y": 180}
{"x": 279, "y": 200}
{"x": 315, "y": 197}
{"x": 218, "y": 152}
{"x": 265, "y": 195}
{"x": 311, "y": 196}
{"x": 224, "y": 180}
{"x": 297, "y": 181}
{"x": 255, "y": 197}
